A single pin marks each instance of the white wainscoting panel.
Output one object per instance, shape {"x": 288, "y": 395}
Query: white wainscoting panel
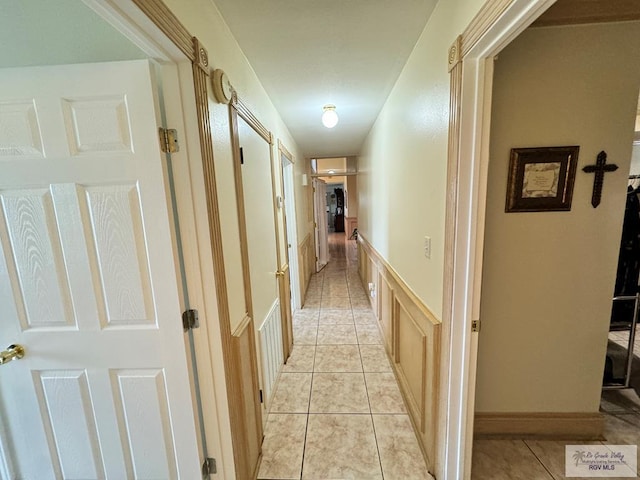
{"x": 271, "y": 348}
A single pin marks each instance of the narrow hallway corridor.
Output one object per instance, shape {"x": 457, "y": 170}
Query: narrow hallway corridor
{"x": 337, "y": 412}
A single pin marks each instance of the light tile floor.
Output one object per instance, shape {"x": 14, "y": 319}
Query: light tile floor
{"x": 516, "y": 459}
{"x": 337, "y": 411}
{"x": 622, "y": 339}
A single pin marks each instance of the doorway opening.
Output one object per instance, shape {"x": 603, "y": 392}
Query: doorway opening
{"x": 469, "y": 153}
{"x": 335, "y": 205}
{"x": 548, "y": 275}
{"x": 622, "y": 367}
{"x": 335, "y": 202}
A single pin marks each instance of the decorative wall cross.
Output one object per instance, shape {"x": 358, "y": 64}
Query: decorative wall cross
{"x": 599, "y": 169}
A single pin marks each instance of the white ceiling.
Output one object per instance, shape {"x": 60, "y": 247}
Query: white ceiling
{"x": 308, "y": 53}
{"x": 48, "y": 32}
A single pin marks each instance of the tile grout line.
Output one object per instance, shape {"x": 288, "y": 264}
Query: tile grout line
{"x": 313, "y": 369}
{"x": 313, "y": 362}
{"x": 315, "y": 345}
{"x": 324, "y": 277}
{"x": 318, "y": 325}
{"x": 373, "y": 425}
{"x": 539, "y": 461}
{"x": 304, "y": 441}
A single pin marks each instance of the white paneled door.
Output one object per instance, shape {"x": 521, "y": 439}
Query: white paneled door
{"x": 87, "y": 281}
{"x": 322, "y": 223}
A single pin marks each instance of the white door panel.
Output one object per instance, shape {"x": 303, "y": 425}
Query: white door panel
{"x": 322, "y": 229}
{"x": 87, "y": 281}
{"x": 292, "y": 235}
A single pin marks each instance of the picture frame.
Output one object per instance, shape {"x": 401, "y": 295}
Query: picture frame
{"x": 541, "y": 179}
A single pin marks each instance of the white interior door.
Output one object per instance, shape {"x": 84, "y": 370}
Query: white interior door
{"x": 292, "y": 232}
{"x": 87, "y": 281}
{"x": 322, "y": 228}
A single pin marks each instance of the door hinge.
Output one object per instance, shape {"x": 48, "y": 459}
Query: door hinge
{"x": 475, "y": 325}
{"x": 261, "y": 398}
{"x": 190, "y": 319}
{"x": 209, "y": 467}
{"x": 169, "y": 140}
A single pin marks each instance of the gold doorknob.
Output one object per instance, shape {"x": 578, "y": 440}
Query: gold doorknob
{"x": 12, "y": 352}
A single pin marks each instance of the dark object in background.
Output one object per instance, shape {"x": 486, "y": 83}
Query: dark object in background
{"x": 628, "y": 260}
{"x": 339, "y": 221}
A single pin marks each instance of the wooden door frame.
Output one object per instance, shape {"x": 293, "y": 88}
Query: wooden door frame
{"x": 153, "y": 27}
{"x": 470, "y": 64}
{"x": 237, "y": 108}
{"x": 285, "y": 268}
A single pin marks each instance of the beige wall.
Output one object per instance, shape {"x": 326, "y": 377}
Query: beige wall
{"x": 203, "y": 20}
{"x": 337, "y": 164}
{"x": 333, "y": 180}
{"x": 351, "y": 187}
{"x": 303, "y": 194}
{"x": 403, "y": 164}
{"x": 352, "y": 164}
{"x": 548, "y": 277}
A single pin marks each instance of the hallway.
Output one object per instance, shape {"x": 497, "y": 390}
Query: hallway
{"x": 337, "y": 411}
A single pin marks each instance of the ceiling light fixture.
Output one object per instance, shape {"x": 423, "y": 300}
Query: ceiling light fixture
{"x": 329, "y": 116}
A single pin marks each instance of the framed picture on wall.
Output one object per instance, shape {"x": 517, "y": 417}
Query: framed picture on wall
{"x": 541, "y": 179}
